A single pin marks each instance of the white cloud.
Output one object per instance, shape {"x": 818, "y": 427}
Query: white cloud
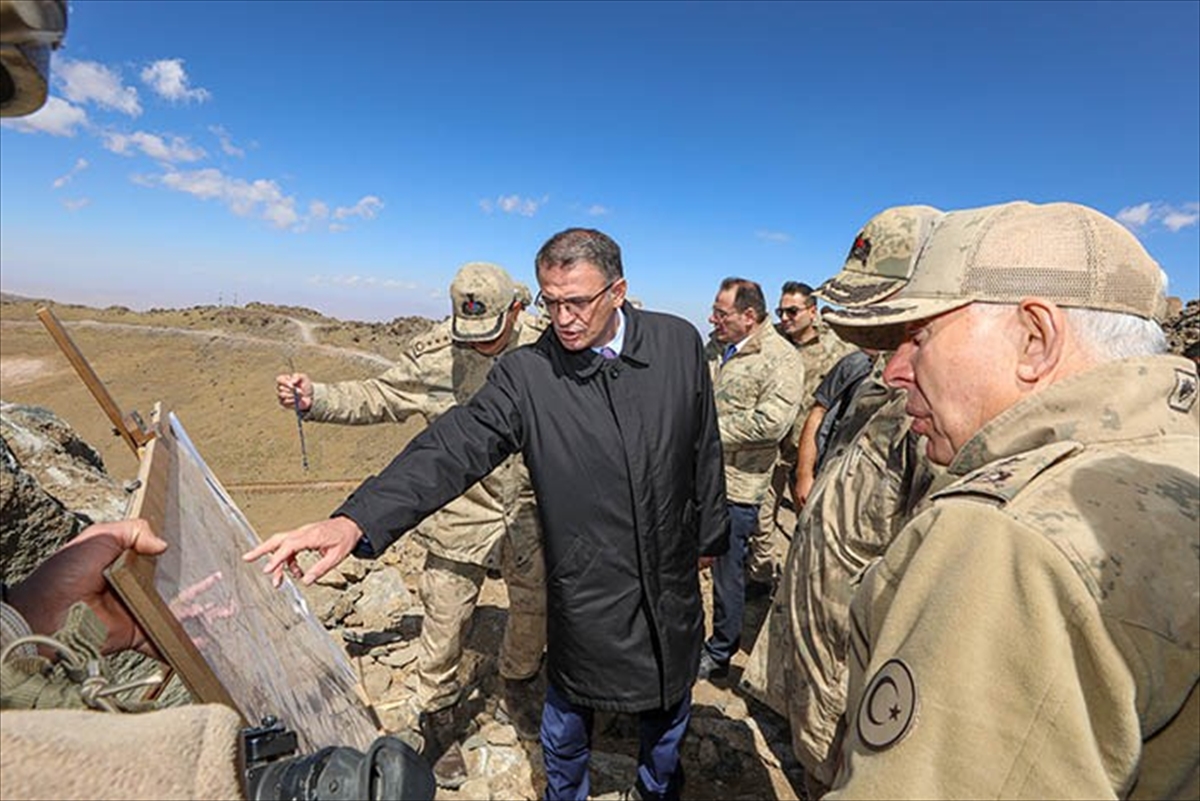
{"x": 596, "y": 210}
{"x": 773, "y": 236}
{"x": 1173, "y": 218}
{"x": 227, "y": 145}
{"x": 175, "y": 151}
{"x": 91, "y": 82}
{"x": 514, "y": 204}
{"x": 168, "y": 79}
{"x": 362, "y": 282}
{"x": 262, "y": 198}
{"x": 1176, "y": 219}
{"x": 367, "y": 208}
{"x": 63, "y": 180}
{"x": 57, "y": 118}
{"x": 259, "y": 199}
{"x": 1135, "y": 216}
{"x": 75, "y": 204}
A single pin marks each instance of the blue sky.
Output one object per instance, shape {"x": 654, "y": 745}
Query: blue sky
{"x": 350, "y": 156}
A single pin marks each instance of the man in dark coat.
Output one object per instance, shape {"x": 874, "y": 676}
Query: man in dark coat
{"x": 613, "y": 411}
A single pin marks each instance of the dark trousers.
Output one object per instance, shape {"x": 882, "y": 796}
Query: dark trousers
{"x": 729, "y": 584}
{"x": 567, "y": 744}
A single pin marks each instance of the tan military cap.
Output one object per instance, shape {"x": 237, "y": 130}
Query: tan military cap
{"x": 881, "y": 259}
{"x": 481, "y": 294}
{"x": 1064, "y": 252}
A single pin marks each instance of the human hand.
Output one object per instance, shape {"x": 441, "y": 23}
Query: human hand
{"x": 290, "y": 386}
{"x": 75, "y": 573}
{"x": 334, "y": 539}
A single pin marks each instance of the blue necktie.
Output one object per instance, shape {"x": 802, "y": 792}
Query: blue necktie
{"x": 729, "y": 351}
{"x": 608, "y": 352}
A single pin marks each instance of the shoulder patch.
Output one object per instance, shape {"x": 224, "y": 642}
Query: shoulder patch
{"x": 888, "y": 710}
{"x": 1183, "y": 396}
{"x": 1003, "y": 479}
{"x": 433, "y": 340}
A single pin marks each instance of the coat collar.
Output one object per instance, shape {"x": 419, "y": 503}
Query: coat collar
{"x": 583, "y": 364}
{"x": 752, "y": 343}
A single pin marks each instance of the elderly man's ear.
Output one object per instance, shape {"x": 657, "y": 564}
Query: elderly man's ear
{"x": 1043, "y": 344}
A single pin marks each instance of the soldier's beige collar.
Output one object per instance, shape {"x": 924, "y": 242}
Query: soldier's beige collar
{"x": 753, "y": 343}
{"x": 1120, "y": 400}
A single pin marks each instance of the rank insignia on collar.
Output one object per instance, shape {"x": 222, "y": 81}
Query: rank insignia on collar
{"x": 861, "y": 249}
{"x": 889, "y": 707}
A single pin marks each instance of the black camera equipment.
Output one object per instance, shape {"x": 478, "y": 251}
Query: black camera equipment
{"x": 390, "y": 770}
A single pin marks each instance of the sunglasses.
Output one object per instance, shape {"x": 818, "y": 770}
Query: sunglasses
{"x": 788, "y": 311}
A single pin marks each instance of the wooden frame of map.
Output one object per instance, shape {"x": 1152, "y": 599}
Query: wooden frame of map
{"x": 231, "y": 636}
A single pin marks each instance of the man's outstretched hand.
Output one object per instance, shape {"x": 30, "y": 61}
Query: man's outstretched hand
{"x": 334, "y": 539}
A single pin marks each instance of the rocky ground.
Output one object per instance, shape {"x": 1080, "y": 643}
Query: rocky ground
{"x": 215, "y": 366}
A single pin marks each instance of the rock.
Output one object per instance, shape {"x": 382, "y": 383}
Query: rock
{"x": 1183, "y": 330}
{"x": 510, "y": 773}
{"x": 329, "y": 605}
{"x": 384, "y": 599}
{"x": 352, "y": 569}
{"x": 495, "y": 733}
{"x": 377, "y": 679}
{"x": 32, "y": 523}
{"x": 476, "y": 788}
{"x": 67, "y": 468}
{"x": 400, "y": 657}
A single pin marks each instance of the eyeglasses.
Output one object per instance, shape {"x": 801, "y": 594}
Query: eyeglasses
{"x": 576, "y": 306}
{"x": 722, "y": 314}
{"x": 788, "y": 311}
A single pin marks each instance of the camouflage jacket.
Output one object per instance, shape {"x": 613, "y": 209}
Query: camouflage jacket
{"x": 757, "y": 394}
{"x": 1035, "y": 631}
{"x": 433, "y": 376}
{"x": 868, "y": 490}
{"x": 818, "y": 357}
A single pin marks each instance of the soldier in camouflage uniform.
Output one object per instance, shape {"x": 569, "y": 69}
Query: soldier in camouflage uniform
{"x": 441, "y": 369}
{"x": 57, "y": 628}
{"x": 757, "y": 381}
{"x": 1034, "y": 632}
{"x": 872, "y": 479}
{"x": 819, "y": 349}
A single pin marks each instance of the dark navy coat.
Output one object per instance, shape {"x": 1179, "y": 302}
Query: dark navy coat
{"x": 625, "y": 458}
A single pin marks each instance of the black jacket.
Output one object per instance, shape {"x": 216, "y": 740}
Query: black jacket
{"x": 625, "y": 458}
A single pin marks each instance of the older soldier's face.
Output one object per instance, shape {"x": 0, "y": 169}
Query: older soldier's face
{"x": 582, "y": 305}
{"x": 959, "y": 369}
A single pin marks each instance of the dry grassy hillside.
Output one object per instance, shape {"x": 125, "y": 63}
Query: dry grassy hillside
{"x": 215, "y": 368}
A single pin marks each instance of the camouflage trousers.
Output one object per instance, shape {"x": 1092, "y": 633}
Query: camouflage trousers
{"x": 776, "y": 522}
{"x": 449, "y": 592}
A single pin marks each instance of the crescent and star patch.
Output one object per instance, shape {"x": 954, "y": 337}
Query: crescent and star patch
{"x": 889, "y": 706}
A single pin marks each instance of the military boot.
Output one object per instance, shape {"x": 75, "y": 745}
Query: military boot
{"x": 521, "y": 706}
{"x": 442, "y": 749}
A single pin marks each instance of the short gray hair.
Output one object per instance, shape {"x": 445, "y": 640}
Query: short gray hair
{"x": 1104, "y": 336}
{"x": 1108, "y": 336}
